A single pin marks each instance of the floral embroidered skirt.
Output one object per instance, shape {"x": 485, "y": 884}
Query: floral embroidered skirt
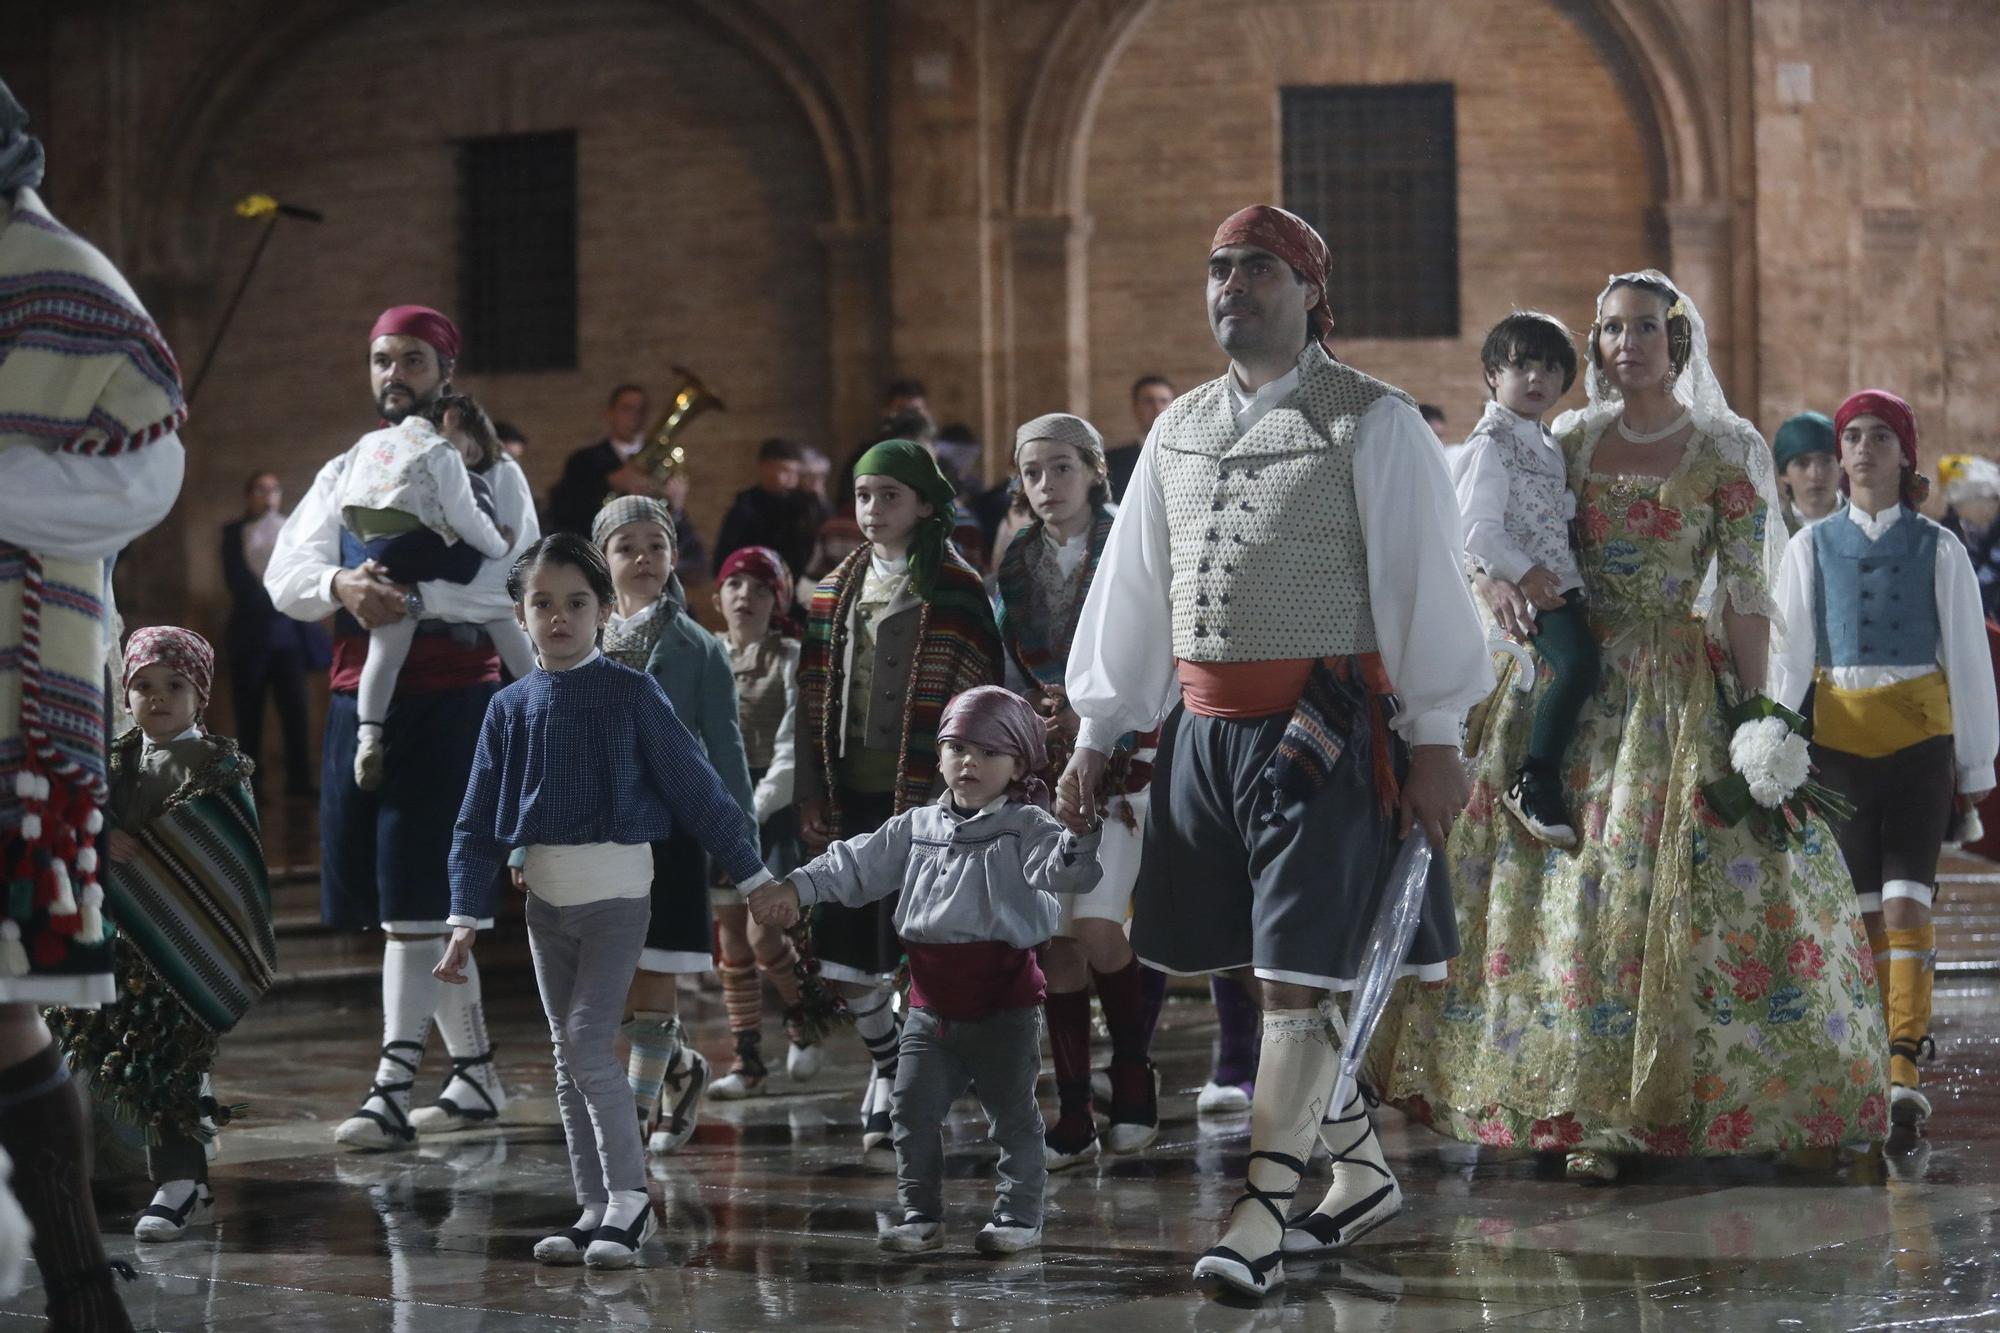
{"x": 1673, "y": 987}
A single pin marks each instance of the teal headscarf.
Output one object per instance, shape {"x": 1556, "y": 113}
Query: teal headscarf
{"x": 911, "y": 464}
{"x": 1806, "y": 433}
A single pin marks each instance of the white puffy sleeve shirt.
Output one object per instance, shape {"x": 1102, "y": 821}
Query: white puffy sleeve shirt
{"x": 86, "y": 506}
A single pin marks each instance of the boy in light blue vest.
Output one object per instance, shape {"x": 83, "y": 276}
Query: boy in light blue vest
{"x": 1883, "y": 619}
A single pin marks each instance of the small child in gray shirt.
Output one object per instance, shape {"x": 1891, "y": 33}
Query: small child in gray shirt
{"x": 978, "y": 871}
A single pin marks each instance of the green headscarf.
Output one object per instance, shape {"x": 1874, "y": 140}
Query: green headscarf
{"x": 1806, "y": 433}
{"x": 911, "y": 464}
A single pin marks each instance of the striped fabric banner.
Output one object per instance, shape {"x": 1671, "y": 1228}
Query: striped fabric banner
{"x": 197, "y": 903}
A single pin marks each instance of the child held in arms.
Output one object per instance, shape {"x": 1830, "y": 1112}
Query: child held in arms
{"x": 1513, "y": 488}
{"x": 414, "y": 478}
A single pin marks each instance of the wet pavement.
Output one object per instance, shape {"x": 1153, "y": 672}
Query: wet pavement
{"x": 771, "y": 1215}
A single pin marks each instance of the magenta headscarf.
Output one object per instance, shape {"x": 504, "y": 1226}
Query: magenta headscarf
{"x": 1000, "y": 720}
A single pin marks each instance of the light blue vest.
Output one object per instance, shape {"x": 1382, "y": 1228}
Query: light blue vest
{"x": 1875, "y": 602}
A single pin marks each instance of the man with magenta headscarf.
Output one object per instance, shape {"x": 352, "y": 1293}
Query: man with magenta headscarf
{"x": 383, "y": 853}
{"x": 1288, "y": 555}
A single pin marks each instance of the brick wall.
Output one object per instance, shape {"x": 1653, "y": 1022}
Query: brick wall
{"x": 699, "y": 194}
{"x": 1553, "y": 182}
{"x": 767, "y": 188}
{"x": 1878, "y": 241}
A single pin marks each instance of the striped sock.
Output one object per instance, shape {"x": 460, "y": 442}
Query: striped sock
{"x": 742, "y": 996}
{"x": 656, "y": 1040}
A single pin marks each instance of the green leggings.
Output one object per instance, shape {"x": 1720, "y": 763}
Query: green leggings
{"x": 1564, "y": 641}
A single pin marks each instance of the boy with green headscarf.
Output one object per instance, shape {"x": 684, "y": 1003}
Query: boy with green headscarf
{"x": 895, "y": 631}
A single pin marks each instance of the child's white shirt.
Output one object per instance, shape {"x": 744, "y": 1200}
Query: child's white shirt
{"x": 1513, "y": 491}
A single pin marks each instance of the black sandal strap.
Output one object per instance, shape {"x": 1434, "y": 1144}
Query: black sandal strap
{"x": 1336, "y": 1158}
{"x": 399, "y": 1127}
{"x": 1269, "y": 1198}
{"x": 459, "y": 1064}
{"x": 1258, "y": 1267}
{"x": 1923, "y": 1049}
{"x": 628, "y": 1236}
{"x": 178, "y": 1216}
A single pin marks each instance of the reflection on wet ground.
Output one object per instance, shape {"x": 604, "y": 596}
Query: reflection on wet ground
{"x": 771, "y": 1219}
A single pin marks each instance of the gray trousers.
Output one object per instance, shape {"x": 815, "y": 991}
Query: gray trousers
{"x": 998, "y": 1058}
{"x": 584, "y": 960}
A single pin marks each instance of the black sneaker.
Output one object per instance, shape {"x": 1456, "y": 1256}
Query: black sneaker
{"x": 1537, "y": 802}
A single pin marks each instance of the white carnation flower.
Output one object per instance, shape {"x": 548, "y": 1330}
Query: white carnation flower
{"x": 1772, "y": 758}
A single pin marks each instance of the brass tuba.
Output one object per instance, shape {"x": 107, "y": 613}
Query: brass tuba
{"x": 659, "y": 457}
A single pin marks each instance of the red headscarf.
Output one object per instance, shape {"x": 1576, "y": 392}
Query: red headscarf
{"x": 764, "y": 565}
{"x": 1292, "y": 239}
{"x": 419, "y": 321}
{"x": 176, "y": 649}
{"x": 1894, "y": 413}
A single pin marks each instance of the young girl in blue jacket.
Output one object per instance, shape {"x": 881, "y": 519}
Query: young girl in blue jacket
{"x": 585, "y": 765}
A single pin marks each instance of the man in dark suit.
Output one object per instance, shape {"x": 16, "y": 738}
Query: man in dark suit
{"x": 269, "y": 653}
{"x": 597, "y": 470}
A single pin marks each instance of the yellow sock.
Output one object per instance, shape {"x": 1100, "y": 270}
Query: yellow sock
{"x": 1908, "y": 997}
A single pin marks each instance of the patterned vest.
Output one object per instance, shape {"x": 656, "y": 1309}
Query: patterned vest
{"x": 1268, "y": 557}
{"x": 1875, "y": 602}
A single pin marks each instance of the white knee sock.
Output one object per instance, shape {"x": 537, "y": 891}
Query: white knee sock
{"x": 461, "y": 1020}
{"x": 1294, "y": 1080}
{"x": 409, "y": 996}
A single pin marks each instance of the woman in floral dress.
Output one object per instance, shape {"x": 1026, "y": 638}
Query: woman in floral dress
{"x": 1675, "y": 987}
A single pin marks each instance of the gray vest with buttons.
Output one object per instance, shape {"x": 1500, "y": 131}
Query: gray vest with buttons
{"x": 1269, "y": 560}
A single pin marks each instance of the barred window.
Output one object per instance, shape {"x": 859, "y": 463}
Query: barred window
{"x": 1375, "y": 168}
{"x": 517, "y": 251}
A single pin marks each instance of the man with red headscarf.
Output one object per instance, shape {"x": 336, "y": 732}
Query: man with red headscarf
{"x": 1286, "y": 556}
{"x": 383, "y": 853}
{"x": 1886, "y": 623}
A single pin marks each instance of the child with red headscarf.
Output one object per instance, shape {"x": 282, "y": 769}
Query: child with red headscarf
{"x": 1885, "y": 622}
{"x": 978, "y": 870}
{"x": 754, "y": 594}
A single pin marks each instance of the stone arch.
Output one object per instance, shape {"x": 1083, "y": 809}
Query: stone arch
{"x": 235, "y": 72}
{"x": 1643, "y": 37}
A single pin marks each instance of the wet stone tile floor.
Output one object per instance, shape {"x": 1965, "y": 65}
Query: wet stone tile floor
{"x": 771, "y": 1218}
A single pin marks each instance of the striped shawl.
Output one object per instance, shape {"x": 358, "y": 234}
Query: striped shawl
{"x": 83, "y": 370}
{"x": 196, "y": 901}
{"x": 958, "y": 647}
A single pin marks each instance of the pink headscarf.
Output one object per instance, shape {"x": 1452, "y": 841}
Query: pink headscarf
{"x": 179, "y": 650}
{"x": 1000, "y": 720}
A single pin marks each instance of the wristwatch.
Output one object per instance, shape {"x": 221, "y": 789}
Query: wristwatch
{"x": 413, "y": 603}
